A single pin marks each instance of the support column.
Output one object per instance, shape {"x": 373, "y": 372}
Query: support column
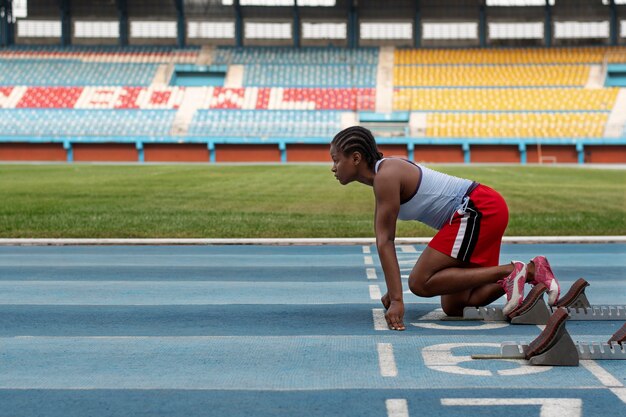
{"x": 466, "y": 153}
{"x": 238, "y": 24}
{"x": 614, "y": 23}
{"x": 353, "y": 25}
{"x": 547, "y": 25}
{"x": 296, "y": 25}
{"x": 417, "y": 25}
{"x": 482, "y": 25}
{"x": 5, "y": 16}
{"x": 580, "y": 150}
{"x": 66, "y": 23}
{"x": 181, "y": 30}
{"x": 122, "y": 12}
{"x": 522, "y": 153}
{"x": 140, "y": 154}
{"x": 69, "y": 151}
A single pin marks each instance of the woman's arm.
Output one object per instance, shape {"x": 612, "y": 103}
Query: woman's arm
{"x": 387, "y": 192}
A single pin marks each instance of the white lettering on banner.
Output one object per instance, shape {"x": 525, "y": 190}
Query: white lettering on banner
{"x": 440, "y": 358}
{"x": 549, "y": 407}
{"x": 277, "y": 102}
{"x": 9, "y": 100}
{"x": 150, "y": 98}
{"x": 99, "y": 98}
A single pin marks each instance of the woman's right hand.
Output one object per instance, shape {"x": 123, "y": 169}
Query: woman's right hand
{"x": 394, "y": 314}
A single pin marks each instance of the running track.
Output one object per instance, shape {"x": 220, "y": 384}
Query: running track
{"x": 275, "y": 331}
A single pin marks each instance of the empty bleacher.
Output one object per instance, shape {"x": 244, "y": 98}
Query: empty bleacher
{"x": 518, "y": 124}
{"x": 287, "y": 94}
{"x": 504, "y": 99}
{"x": 82, "y": 124}
{"x": 503, "y": 93}
{"x": 265, "y": 123}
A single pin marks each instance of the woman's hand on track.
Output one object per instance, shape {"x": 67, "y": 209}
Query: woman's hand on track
{"x": 395, "y": 314}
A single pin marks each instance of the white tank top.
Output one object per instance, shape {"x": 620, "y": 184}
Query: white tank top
{"x": 436, "y": 198}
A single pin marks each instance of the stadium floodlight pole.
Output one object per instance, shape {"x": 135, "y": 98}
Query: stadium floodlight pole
{"x": 66, "y": 22}
{"x": 122, "y": 12}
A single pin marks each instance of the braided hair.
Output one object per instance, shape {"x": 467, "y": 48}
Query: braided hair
{"x": 358, "y": 139}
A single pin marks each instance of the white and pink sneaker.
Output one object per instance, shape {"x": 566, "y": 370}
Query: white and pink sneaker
{"x": 514, "y": 287}
{"x": 544, "y": 275}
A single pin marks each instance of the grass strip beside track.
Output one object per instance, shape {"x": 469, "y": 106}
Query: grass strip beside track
{"x": 278, "y": 201}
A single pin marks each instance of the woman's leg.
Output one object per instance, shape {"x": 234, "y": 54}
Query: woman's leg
{"x": 459, "y": 284}
{"x": 438, "y": 274}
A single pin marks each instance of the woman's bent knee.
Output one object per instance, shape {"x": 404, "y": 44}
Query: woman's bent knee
{"x": 419, "y": 287}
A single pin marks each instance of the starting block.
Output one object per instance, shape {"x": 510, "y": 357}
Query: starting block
{"x": 555, "y": 347}
{"x": 534, "y": 309}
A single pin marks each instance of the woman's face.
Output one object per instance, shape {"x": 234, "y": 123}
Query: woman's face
{"x": 343, "y": 166}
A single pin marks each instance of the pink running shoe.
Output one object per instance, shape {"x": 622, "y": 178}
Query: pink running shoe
{"x": 514, "y": 287}
{"x": 544, "y": 275}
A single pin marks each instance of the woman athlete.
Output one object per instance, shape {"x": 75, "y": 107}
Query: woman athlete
{"x": 461, "y": 262}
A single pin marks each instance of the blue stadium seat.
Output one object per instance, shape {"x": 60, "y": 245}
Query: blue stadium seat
{"x": 275, "y": 123}
{"x": 69, "y": 122}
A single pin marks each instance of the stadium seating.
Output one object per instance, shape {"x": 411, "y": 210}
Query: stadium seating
{"x": 292, "y": 56}
{"x": 74, "y": 73}
{"x": 490, "y": 75}
{"x": 85, "y": 123}
{"x": 309, "y": 75}
{"x": 287, "y": 92}
{"x": 265, "y": 123}
{"x": 506, "y": 56}
{"x": 136, "y": 54}
{"x": 520, "y": 124}
{"x": 504, "y": 99}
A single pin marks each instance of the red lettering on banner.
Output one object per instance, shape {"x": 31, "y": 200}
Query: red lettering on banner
{"x": 227, "y": 98}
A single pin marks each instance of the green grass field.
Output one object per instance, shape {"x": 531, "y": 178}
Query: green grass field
{"x": 272, "y": 201}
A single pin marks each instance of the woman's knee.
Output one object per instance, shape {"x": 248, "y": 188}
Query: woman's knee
{"x": 418, "y": 284}
{"x": 452, "y": 309}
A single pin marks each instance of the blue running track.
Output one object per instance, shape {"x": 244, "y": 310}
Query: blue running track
{"x": 276, "y": 331}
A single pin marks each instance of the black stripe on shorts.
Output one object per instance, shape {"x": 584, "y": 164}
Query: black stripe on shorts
{"x": 472, "y": 232}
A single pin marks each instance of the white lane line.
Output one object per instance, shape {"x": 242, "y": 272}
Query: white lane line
{"x": 397, "y": 407}
{"x": 378, "y": 314}
{"x": 366, "y": 249}
{"x": 603, "y": 376}
{"x": 386, "y": 360}
{"x": 368, "y": 260}
{"x": 371, "y": 273}
{"x": 550, "y": 407}
{"x": 620, "y": 392}
{"x": 407, "y": 249}
{"x": 375, "y": 292}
